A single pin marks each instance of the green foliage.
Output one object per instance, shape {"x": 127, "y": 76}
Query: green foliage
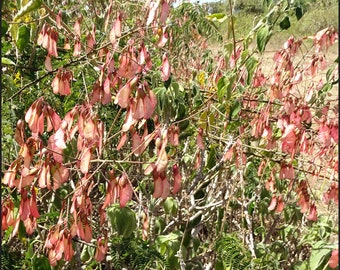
{"x": 9, "y": 260}
{"x": 23, "y": 37}
{"x": 123, "y": 220}
{"x": 134, "y": 253}
{"x": 197, "y": 19}
{"x": 27, "y": 8}
{"x": 232, "y": 252}
{"x": 169, "y": 246}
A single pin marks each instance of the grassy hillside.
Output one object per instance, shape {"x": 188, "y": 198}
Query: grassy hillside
{"x": 318, "y": 14}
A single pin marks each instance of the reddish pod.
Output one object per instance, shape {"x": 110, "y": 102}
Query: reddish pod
{"x": 101, "y": 249}
{"x": 125, "y": 190}
{"x": 61, "y": 82}
{"x": 165, "y": 68}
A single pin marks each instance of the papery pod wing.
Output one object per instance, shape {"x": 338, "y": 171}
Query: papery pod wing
{"x": 165, "y": 9}
{"x": 26, "y": 180}
{"x": 77, "y": 48}
{"x": 44, "y": 175}
{"x": 60, "y": 175}
{"x": 24, "y": 209}
{"x": 272, "y": 204}
{"x": 48, "y": 63}
{"x": 89, "y": 129}
{"x": 53, "y": 119}
{"x": 313, "y": 215}
{"x": 136, "y": 143}
{"x": 90, "y": 42}
{"x": 52, "y": 48}
{"x": 85, "y": 160}
{"x": 56, "y": 82}
{"x": 52, "y": 257}
{"x": 10, "y": 174}
{"x": 163, "y": 38}
{"x": 150, "y": 168}
{"x": 40, "y": 124}
{"x": 158, "y": 187}
{"x": 56, "y": 152}
{"x": 30, "y": 225}
{"x": 122, "y": 141}
{"x": 139, "y": 108}
{"x": 334, "y": 259}
{"x": 59, "y": 249}
{"x": 129, "y": 120}
{"x": 165, "y": 68}
{"x": 153, "y": 6}
{"x": 125, "y": 194}
{"x": 80, "y": 230}
{"x": 19, "y": 133}
{"x": 60, "y": 139}
{"x": 68, "y": 249}
{"x": 87, "y": 232}
{"x": 166, "y": 188}
{"x": 101, "y": 130}
{"x": 162, "y": 160}
{"x": 107, "y": 96}
{"x": 59, "y": 19}
{"x": 177, "y": 179}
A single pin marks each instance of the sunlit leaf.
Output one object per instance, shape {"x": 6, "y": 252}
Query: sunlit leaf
{"x": 29, "y": 7}
{"x": 217, "y": 17}
{"x": 23, "y": 37}
{"x": 7, "y": 61}
{"x": 262, "y": 37}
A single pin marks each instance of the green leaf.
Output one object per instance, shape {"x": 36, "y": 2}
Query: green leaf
{"x": 23, "y": 38}
{"x": 122, "y": 219}
{"x": 251, "y": 64}
{"x": 285, "y": 23}
{"x": 14, "y": 31}
{"x": 299, "y": 13}
{"x": 329, "y": 73}
{"x": 221, "y": 87}
{"x": 224, "y": 86}
{"x": 85, "y": 254}
{"x": 30, "y": 6}
{"x": 319, "y": 255}
{"x": 235, "y": 109}
{"x": 262, "y": 37}
{"x": 180, "y": 111}
{"x": 4, "y": 27}
{"x": 177, "y": 88}
{"x": 6, "y": 61}
{"x": 170, "y": 206}
{"x": 40, "y": 263}
{"x": 217, "y": 17}
{"x": 232, "y": 79}
{"x": 203, "y": 120}
{"x": 21, "y": 230}
{"x": 211, "y": 161}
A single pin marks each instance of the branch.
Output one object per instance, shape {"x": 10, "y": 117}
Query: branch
{"x": 233, "y": 30}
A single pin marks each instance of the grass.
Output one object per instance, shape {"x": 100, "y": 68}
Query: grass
{"x": 319, "y": 14}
